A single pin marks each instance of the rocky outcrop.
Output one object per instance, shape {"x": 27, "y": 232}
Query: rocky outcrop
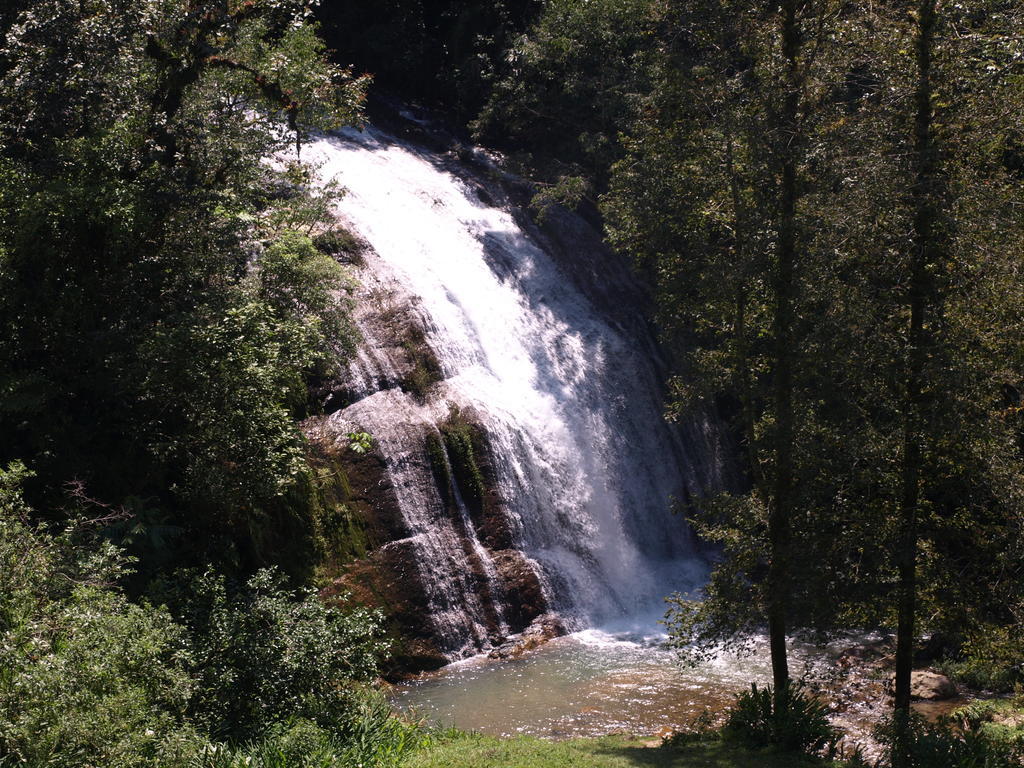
{"x": 388, "y": 579}
{"x": 443, "y": 467}
{"x": 524, "y": 597}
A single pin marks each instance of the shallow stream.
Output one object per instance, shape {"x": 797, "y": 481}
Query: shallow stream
{"x": 594, "y": 682}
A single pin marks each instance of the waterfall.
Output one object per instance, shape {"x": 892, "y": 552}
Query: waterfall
{"x": 560, "y": 384}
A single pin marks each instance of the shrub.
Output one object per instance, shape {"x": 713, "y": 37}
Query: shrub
{"x": 801, "y": 725}
{"x": 99, "y": 682}
{"x": 86, "y": 677}
{"x": 992, "y": 659}
{"x": 89, "y": 678}
{"x": 261, "y": 656}
{"x": 381, "y": 740}
{"x": 338, "y": 242}
{"x": 971, "y": 743}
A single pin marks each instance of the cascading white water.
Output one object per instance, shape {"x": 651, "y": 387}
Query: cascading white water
{"x": 586, "y": 467}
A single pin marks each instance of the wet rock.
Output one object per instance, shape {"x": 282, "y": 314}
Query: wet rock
{"x": 388, "y": 578}
{"x": 359, "y": 485}
{"x": 524, "y": 597}
{"x": 543, "y": 628}
{"x": 865, "y": 653}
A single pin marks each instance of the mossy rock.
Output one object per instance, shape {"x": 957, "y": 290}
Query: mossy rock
{"x": 353, "y": 513}
{"x": 424, "y": 368}
{"x": 460, "y": 436}
{"x": 438, "y": 456}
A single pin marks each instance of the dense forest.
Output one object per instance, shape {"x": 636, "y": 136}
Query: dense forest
{"x": 823, "y": 199}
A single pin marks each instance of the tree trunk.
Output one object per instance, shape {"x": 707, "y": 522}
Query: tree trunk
{"x": 742, "y": 363}
{"x": 782, "y": 493}
{"x": 925, "y": 249}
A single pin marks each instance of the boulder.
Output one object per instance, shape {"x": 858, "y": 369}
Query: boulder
{"x": 927, "y": 685}
{"x": 931, "y": 686}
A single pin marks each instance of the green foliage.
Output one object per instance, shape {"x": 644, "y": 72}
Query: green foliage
{"x": 301, "y": 285}
{"x": 973, "y": 743}
{"x": 694, "y": 203}
{"x": 425, "y": 368}
{"x": 161, "y": 304}
{"x": 263, "y": 654}
{"x": 452, "y": 50}
{"x": 89, "y": 678}
{"x": 799, "y": 724}
{"x": 991, "y": 659}
{"x": 37, "y": 567}
{"x": 360, "y": 442}
{"x": 382, "y": 740}
{"x": 86, "y": 678}
{"x": 101, "y": 681}
{"x": 458, "y": 436}
{"x": 571, "y": 85}
{"x": 226, "y": 383}
{"x": 439, "y": 464}
{"x": 338, "y": 242}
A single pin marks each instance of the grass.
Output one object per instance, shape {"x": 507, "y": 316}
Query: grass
{"x": 477, "y": 751}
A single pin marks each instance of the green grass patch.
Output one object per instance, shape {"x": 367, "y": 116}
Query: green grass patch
{"x": 477, "y": 751}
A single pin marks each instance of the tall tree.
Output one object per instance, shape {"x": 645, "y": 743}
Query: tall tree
{"x": 712, "y": 199}
{"x": 788, "y": 147}
{"x": 928, "y": 251}
{"x": 961, "y": 296}
{"x": 918, "y": 213}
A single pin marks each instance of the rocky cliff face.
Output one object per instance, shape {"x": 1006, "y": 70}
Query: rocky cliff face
{"x": 503, "y": 371}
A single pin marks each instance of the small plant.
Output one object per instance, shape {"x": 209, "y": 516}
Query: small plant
{"x": 458, "y": 434}
{"x": 425, "y": 369}
{"x": 992, "y": 659}
{"x": 360, "y": 442}
{"x": 800, "y": 724}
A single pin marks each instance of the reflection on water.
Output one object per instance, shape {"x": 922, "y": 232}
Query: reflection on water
{"x": 587, "y": 684}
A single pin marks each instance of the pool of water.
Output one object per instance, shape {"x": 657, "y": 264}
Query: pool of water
{"x": 586, "y": 684}
{"x": 597, "y": 682}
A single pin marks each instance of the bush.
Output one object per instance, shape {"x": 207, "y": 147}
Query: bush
{"x": 338, "y": 242}
{"x": 992, "y": 659}
{"x": 801, "y": 725}
{"x": 262, "y": 654}
{"x": 98, "y": 682}
{"x": 973, "y": 742}
{"x": 256, "y": 675}
{"x": 381, "y": 740}
{"x": 86, "y": 677}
